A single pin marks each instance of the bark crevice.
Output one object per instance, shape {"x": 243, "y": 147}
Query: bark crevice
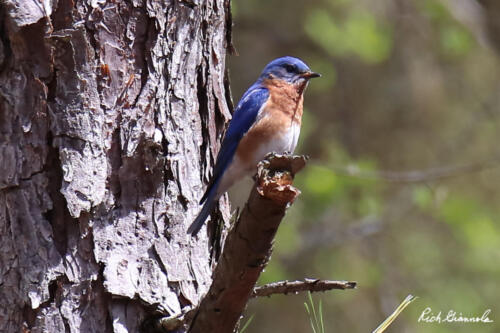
{"x": 103, "y": 150}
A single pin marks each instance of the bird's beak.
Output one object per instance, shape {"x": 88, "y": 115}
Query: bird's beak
{"x": 310, "y": 75}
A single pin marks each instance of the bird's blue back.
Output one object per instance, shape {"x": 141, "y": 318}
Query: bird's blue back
{"x": 244, "y": 116}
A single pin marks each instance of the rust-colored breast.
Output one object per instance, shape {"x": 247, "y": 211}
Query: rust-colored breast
{"x": 286, "y": 98}
{"x": 284, "y": 107}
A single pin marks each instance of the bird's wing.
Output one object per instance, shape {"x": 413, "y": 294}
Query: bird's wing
{"x": 243, "y": 118}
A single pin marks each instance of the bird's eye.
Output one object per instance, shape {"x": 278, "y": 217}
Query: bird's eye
{"x": 290, "y": 68}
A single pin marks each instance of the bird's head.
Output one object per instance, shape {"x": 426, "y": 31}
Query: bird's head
{"x": 289, "y": 69}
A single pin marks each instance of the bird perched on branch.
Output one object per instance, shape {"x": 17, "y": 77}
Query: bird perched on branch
{"x": 267, "y": 119}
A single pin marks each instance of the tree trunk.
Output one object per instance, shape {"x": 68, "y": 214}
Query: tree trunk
{"x": 110, "y": 117}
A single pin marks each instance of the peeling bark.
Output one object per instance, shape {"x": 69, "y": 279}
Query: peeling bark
{"x": 110, "y": 117}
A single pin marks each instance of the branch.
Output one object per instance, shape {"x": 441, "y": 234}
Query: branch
{"x": 312, "y": 285}
{"x": 248, "y": 246}
{"x": 418, "y": 176}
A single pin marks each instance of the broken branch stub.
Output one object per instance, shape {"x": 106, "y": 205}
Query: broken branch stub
{"x": 248, "y": 246}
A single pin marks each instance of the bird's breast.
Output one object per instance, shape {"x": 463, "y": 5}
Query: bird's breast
{"x": 276, "y": 129}
{"x": 285, "y": 98}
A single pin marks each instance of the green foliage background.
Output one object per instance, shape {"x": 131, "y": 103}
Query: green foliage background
{"x": 407, "y": 85}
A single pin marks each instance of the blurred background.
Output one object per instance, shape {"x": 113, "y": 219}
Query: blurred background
{"x": 402, "y": 190}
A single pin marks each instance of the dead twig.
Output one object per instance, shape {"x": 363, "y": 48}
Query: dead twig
{"x": 292, "y": 287}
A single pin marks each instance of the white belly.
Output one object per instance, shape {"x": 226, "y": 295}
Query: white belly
{"x": 281, "y": 143}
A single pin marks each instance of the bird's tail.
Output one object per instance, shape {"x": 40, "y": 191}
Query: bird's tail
{"x": 202, "y": 216}
{"x": 211, "y": 200}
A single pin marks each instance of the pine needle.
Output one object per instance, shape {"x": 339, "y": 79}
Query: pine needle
{"x": 382, "y": 327}
{"x": 316, "y": 319}
{"x": 247, "y": 323}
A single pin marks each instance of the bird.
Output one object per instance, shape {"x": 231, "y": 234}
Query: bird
{"x": 266, "y": 119}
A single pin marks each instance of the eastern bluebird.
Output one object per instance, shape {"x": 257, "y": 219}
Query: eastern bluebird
{"x": 267, "y": 119}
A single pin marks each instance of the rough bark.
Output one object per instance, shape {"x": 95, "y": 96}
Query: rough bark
{"x": 110, "y": 114}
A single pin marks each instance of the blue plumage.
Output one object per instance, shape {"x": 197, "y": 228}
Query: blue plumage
{"x": 291, "y": 71}
{"x": 244, "y": 116}
{"x": 288, "y": 69}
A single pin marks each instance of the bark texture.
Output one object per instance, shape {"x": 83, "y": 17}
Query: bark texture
{"x": 105, "y": 110}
